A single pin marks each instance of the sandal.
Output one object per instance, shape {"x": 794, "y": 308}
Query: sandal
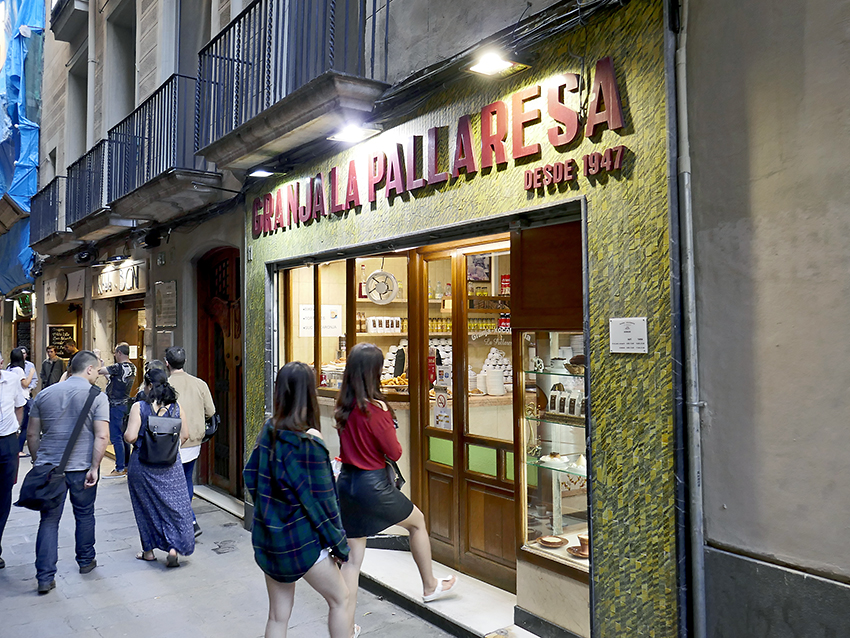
{"x": 141, "y": 556}
{"x": 356, "y": 633}
{"x": 172, "y": 561}
{"x": 440, "y": 592}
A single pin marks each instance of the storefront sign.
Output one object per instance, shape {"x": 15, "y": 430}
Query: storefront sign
{"x": 396, "y": 169}
{"x": 629, "y": 335}
{"x": 57, "y": 335}
{"x": 331, "y": 320}
{"x": 76, "y": 285}
{"x": 127, "y": 279}
{"x": 55, "y": 289}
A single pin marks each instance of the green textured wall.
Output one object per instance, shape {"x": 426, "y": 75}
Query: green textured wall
{"x": 629, "y": 275}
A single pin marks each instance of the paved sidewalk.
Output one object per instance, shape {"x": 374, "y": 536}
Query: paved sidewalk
{"x": 217, "y": 592}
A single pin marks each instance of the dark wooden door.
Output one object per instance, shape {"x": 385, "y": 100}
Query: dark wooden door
{"x": 220, "y": 364}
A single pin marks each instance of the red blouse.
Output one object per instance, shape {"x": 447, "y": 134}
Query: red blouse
{"x": 366, "y": 439}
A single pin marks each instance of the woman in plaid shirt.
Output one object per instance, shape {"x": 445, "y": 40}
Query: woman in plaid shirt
{"x": 296, "y": 512}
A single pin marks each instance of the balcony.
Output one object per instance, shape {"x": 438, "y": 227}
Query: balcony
{"x": 87, "y": 211}
{"x": 48, "y": 233}
{"x": 281, "y": 75}
{"x": 68, "y": 18}
{"x": 153, "y": 173}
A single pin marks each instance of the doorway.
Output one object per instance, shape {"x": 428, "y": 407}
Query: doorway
{"x": 220, "y": 365}
{"x": 130, "y": 321}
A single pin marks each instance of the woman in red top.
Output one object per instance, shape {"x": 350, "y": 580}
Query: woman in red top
{"x": 369, "y": 502}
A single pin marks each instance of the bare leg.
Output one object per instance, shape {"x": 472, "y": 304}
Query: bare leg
{"x": 281, "y": 597}
{"x": 326, "y": 579}
{"x": 420, "y": 547}
{"x": 351, "y": 574}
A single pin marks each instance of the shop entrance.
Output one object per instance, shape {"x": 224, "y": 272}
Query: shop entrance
{"x": 468, "y": 448}
{"x": 130, "y": 324}
{"x": 220, "y": 364}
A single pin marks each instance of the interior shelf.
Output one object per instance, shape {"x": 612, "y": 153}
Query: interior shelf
{"x": 555, "y": 374}
{"x": 568, "y": 420}
{"x": 571, "y": 472}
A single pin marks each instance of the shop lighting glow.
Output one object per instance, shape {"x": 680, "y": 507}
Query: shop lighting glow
{"x": 354, "y": 133}
{"x": 493, "y": 64}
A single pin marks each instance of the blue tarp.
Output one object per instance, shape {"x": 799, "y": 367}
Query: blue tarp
{"x": 24, "y": 19}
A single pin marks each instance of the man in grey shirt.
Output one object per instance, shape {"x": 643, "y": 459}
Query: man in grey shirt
{"x": 52, "y": 419}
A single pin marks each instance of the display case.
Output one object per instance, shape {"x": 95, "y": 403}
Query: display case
{"x": 553, "y": 426}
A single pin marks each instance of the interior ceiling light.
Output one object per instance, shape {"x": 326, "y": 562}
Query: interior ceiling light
{"x": 493, "y": 64}
{"x": 115, "y": 258}
{"x": 354, "y": 133}
{"x": 260, "y": 172}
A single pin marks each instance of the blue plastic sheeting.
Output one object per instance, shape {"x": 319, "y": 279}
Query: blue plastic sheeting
{"x": 16, "y": 257}
{"x": 18, "y": 138}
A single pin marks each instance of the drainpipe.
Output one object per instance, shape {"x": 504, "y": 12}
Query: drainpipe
{"x": 90, "y": 75}
{"x": 693, "y": 406}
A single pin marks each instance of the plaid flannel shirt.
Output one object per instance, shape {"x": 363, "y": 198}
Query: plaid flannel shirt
{"x": 296, "y": 509}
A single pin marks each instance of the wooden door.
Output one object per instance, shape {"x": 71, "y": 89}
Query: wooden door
{"x": 468, "y": 467}
{"x": 220, "y": 364}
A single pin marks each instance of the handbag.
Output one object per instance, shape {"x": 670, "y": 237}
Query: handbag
{"x": 394, "y": 474}
{"x": 211, "y": 427}
{"x": 160, "y": 443}
{"x": 43, "y": 487}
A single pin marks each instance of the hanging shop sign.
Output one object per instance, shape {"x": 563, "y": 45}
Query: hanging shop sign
{"x": 76, "y": 285}
{"x": 127, "y": 279}
{"x": 394, "y": 170}
{"x": 55, "y": 289}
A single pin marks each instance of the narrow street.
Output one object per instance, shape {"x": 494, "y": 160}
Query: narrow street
{"x": 217, "y": 592}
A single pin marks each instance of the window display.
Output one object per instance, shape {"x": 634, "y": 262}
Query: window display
{"x": 554, "y": 408}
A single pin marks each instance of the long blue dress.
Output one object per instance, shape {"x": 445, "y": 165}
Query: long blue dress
{"x": 160, "y": 498}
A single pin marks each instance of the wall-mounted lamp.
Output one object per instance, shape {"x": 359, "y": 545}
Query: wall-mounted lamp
{"x": 260, "y": 172}
{"x": 354, "y": 133}
{"x": 499, "y": 65}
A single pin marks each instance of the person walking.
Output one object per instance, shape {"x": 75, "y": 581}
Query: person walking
{"x": 12, "y": 401}
{"x": 197, "y": 404}
{"x": 121, "y": 375}
{"x": 54, "y": 414}
{"x": 369, "y": 502}
{"x": 18, "y": 361}
{"x": 158, "y": 492}
{"x": 297, "y": 531}
{"x": 51, "y": 368}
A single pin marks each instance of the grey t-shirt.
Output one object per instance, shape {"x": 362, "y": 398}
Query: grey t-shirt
{"x": 58, "y": 407}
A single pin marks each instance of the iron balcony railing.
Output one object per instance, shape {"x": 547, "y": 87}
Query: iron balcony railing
{"x": 47, "y": 212}
{"x": 155, "y": 138}
{"x": 86, "y": 186}
{"x": 273, "y": 48}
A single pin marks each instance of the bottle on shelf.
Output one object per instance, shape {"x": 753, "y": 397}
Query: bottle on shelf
{"x": 361, "y": 291}
{"x": 448, "y": 291}
{"x": 438, "y": 292}
{"x": 400, "y": 295}
{"x": 430, "y": 291}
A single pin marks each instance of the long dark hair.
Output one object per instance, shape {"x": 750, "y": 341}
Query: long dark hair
{"x": 16, "y": 359}
{"x": 295, "y": 405}
{"x": 160, "y": 390}
{"x": 361, "y": 382}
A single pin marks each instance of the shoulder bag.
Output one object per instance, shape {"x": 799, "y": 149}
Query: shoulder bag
{"x": 43, "y": 487}
{"x": 160, "y": 440}
{"x": 211, "y": 427}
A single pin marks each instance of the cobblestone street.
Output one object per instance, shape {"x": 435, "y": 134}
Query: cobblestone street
{"x": 217, "y": 592}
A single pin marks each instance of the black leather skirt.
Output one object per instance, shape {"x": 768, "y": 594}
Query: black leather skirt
{"x": 368, "y": 502}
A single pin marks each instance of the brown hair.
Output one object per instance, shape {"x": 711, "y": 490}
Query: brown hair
{"x": 295, "y": 405}
{"x": 361, "y": 382}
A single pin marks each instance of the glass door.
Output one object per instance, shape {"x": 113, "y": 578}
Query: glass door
{"x": 469, "y": 425}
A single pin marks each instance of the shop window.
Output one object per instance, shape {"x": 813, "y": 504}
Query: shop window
{"x": 332, "y": 296}
{"x": 301, "y": 325}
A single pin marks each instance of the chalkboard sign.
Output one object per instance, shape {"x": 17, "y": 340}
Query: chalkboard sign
{"x": 23, "y": 336}
{"x": 57, "y": 335}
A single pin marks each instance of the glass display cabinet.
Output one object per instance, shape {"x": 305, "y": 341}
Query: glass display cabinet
{"x": 553, "y": 419}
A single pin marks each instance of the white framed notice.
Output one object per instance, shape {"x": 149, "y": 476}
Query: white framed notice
{"x": 628, "y": 335}
{"x": 442, "y": 409}
{"x": 331, "y": 320}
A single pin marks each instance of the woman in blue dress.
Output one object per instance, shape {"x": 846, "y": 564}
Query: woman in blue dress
{"x": 158, "y": 493}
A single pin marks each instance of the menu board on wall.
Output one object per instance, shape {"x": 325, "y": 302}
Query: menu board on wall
{"x": 23, "y": 336}
{"x": 57, "y": 335}
{"x": 164, "y": 340}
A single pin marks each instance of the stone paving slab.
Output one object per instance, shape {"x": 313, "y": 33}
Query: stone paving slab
{"x": 218, "y": 592}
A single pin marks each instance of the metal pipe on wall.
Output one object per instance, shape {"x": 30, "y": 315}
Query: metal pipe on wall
{"x": 693, "y": 403}
{"x": 90, "y": 77}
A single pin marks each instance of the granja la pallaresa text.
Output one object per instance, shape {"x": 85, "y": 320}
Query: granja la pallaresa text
{"x": 393, "y": 170}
